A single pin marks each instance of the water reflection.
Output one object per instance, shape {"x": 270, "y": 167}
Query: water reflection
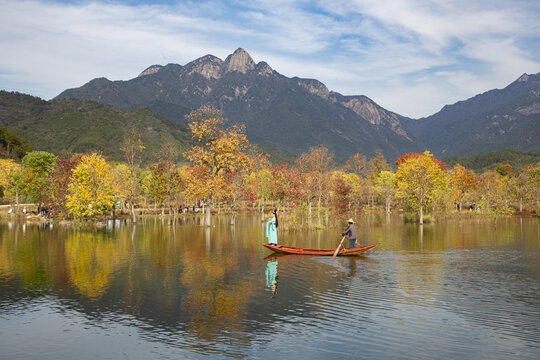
{"x": 271, "y": 274}
{"x": 201, "y": 290}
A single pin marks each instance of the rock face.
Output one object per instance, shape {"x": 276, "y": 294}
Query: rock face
{"x": 315, "y": 87}
{"x": 239, "y": 61}
{"x": 208, "y": 66}
{"x": 151, "y": 70}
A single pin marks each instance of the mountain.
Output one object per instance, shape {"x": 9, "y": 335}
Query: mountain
{"x": 79, "y": 126}
{"x": 495, "y": 120}
{"x": 290, "y": 114}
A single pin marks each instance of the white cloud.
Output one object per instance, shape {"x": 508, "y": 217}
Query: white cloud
{"x": 411, "y": 56}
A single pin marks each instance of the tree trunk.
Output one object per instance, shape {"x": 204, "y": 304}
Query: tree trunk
{"x": 207, "y": 220}
{"x": 133, "y": 211}
{"x": 319, "y": 211}
{"x": 309, "y": 213}
{"x": 421, "y": 214}
{"x": 233, "y": 209}
{"x": 131, "y": 200}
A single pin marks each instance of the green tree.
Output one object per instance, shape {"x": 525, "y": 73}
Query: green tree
{"x": 37, "y": 165}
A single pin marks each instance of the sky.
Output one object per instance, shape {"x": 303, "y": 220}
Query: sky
{"x": 410, "y": 56}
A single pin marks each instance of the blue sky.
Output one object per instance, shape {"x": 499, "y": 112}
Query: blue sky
{"x": 410, "y": 56}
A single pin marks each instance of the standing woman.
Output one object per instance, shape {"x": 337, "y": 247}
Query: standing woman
{"x": 271, "y": 228}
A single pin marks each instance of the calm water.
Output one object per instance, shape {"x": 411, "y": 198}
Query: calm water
{"x": 453, "y": 290}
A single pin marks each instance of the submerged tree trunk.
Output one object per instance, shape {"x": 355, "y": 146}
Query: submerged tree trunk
{"x": 309, "y": 213}
{"x": 133, "y": 211}
{"x": 319, "y": 211}
{"x": 207, "y": 219}
{"x": 233, "y": 210}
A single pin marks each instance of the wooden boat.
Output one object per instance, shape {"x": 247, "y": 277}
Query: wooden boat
{"x": 282, "y": 249}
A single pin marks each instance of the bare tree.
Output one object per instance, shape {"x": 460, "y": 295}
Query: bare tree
{"x": 132, "y": 148}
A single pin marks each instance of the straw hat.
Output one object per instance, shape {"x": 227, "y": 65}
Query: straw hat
{"x": 350, "y": 221}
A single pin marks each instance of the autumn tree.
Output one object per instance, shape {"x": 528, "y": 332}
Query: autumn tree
{"x": 220, "y": 149}
{"x": 122, "y": 177}
{"x": 357, "y": 164}
{"x": 156, "y": 183}
{"x": 532, "y": 184}
{"x": 317, "y": 162}
{"x": 514, "y": 182}
{"x": 8, "y": 184}
{"x": 462, "y": 182}
{"x": 494, "y": 196}
{"x": 341, "y": 189}
{"x": 385, "y": 187}
{"x": 132, "y": 148}
{"x": 286, "y": 184}
{"x": 419, "y": 180}
{"x": 91, "y": 190}
{"x": 377, "y": 164}
{"x": 59, "y": 180}
{"x": 168, "y": 155}
{"x": 259, "y": 178}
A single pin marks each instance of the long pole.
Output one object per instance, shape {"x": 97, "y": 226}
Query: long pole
{"x": 337, "y": 249}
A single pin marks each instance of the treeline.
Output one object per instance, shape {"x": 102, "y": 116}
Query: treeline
{"x": 225, "y": 173}
{"x": 489, "y": 161}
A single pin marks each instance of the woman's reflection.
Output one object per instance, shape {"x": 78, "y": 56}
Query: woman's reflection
{"x": 271, "y": 274}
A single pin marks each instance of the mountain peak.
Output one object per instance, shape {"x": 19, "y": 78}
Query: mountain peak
{"x": 523, "y": 78}
{"x": 208, "y": 66}
{"x": 150, "y": 70}
{"x": 239, "y": 61}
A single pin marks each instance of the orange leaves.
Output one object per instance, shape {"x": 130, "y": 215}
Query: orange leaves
{"x": 220, "y": 150}
{"x": 403, "y": 158}
{"x": 462, "y": 180}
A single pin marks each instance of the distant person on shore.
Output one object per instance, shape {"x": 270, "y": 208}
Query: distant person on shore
{"x": 271, "y": 228}
{"x": 350, "y": 231}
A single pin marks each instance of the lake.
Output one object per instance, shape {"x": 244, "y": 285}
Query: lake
{"x": 458, "y": 289}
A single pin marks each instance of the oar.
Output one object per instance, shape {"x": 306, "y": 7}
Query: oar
{"x": 337, "y": 249}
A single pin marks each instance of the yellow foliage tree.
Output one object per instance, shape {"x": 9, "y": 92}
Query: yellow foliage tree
{"x": 385, "y": 187}
{"x": 220, "y": 149}
{"x": 420, "y": 179}
{"x": 8, "y": 170}
{"x": 91, "y": 190}
{"x": 122, "y": 179}
{"x": 462, "y": 182}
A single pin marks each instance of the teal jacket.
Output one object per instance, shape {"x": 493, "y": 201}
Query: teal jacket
{"x": 271, "y": 231}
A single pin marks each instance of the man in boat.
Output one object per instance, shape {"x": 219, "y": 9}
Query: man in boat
{"x": 271, "y": 228}
{"x": 350, "y": 231}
